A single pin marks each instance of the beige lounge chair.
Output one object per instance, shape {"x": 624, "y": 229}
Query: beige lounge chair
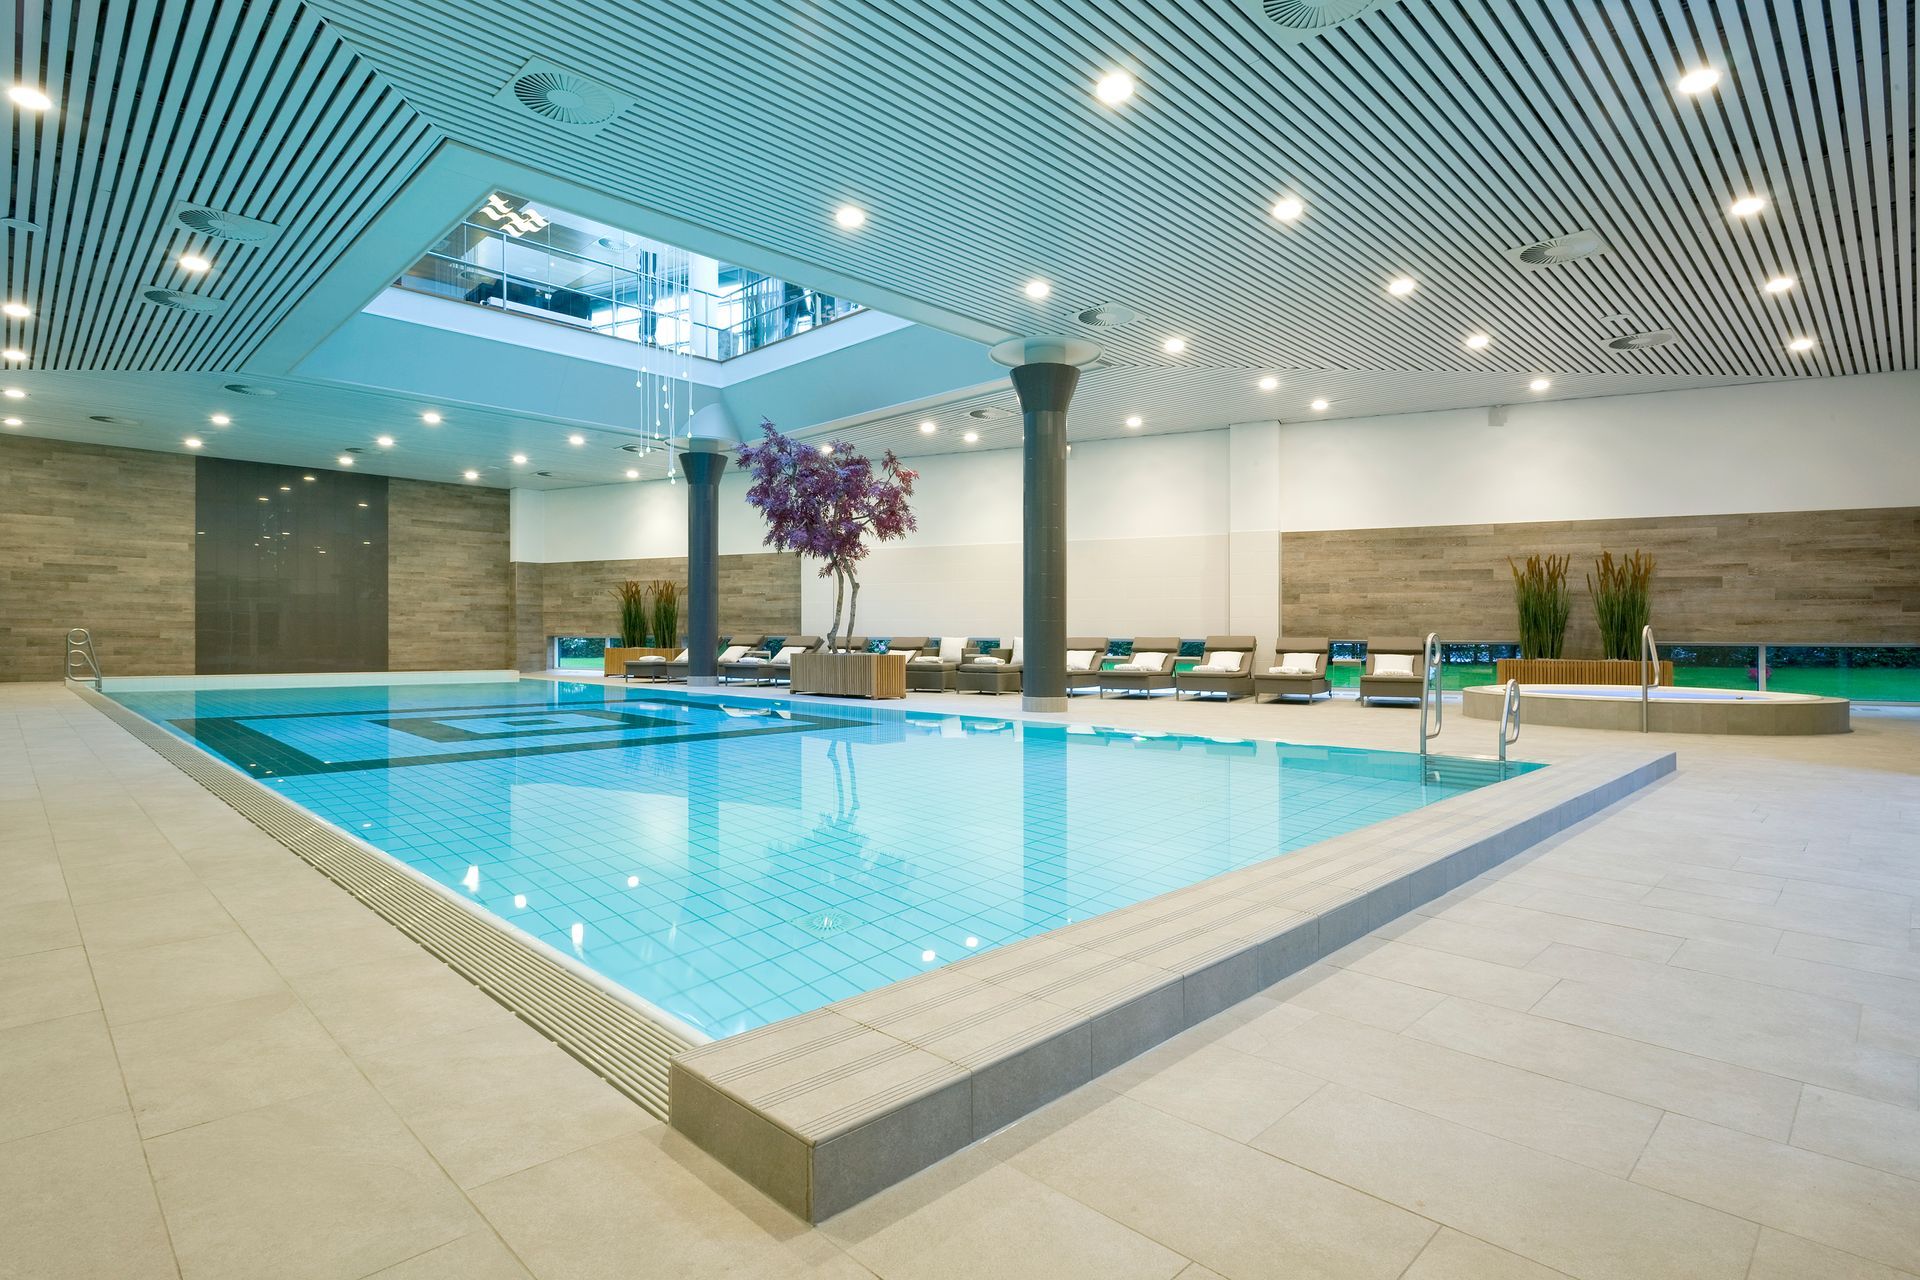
{"x": 1227, "y": 667}
{"x": 732, "y": 650}
{"x": 1304, "y": 677}
{"x": 981, "y": 674}
{"x": 769, "y": 668}
{"x": 1150, "y": 667}
{"x": 932, "y": 669}
{"x": 1383, "y": 677}
{"x": 1084, "y": 656}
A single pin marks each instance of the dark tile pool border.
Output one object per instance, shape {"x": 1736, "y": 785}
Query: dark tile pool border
{"x": 824, "y": 1109}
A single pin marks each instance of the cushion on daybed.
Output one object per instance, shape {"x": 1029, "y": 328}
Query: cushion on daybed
{"x": 1147, "y": 662}
{"x": 953, "y": 648}
{"x": 1079, "y": 659}
{"x": 1393, "y": 664}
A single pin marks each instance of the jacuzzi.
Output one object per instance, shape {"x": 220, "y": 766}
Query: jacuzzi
{"x": 1670, "y": 710}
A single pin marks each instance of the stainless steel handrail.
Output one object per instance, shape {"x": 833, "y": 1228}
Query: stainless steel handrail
{"x": 1509, "y": 718}
{"x": 80, "y": 646}
{"x": 1649, "y": 659}
{"x": 1430, "y": 693}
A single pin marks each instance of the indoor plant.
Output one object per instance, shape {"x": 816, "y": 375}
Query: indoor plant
{"x": 633, "y": 613}
{"x": 1540, "y": 593}
{"x": 666, "y": 612}
{"x": 1622, "y": 601}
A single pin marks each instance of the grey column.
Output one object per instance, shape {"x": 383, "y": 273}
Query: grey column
{"x": 1045, "y": 390}
{"x": 702, "y": 470}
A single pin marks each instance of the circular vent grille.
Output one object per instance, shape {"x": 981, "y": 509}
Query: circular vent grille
{"x": 112, "y": 421}
{"x": 1551, "y": 253}
{"x": 565, "y": 98}
{"x": 989, "y": 414}
{"x": 182, "y": 301}
{"x": 23, "y": 226}
{"x": 251, "y": 389}
{"x": 1642, "y": 341}
{"x": 1312, "y": 15}
{"x": 1108, "y": 315}
{"x": 224, "y": 225}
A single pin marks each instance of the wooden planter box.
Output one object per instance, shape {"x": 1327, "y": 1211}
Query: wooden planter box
{"x": 850, "y": 675}
{"x": 616, "y": 659}
{"x": 1575, "y": 671}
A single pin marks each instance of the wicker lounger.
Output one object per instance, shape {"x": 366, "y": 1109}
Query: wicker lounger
{"x": 975, "y": 676}
{"x": 1087, "y": 677}
{"x": 932, "y": 670}
{"x": 1275, "y": 684}
{"x": 775, "y": 669}
{"x": 1375, "y": 684}
{"x": 1232, "y": 652}
{"x": 1123, "y": 681}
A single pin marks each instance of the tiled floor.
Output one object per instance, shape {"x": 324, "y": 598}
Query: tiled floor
{"x": 1678, "y": 1041}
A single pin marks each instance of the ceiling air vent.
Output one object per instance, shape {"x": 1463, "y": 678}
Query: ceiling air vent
{"x": 21, "y": 226}
{"x": 251, "y": 389}
{"x": 1558, "y": 251}
{"x": 179, "y": 301}
{"x": 1295, "y": 20}
{"x": 113, "y": 421}
{"x": 222, "y": 225}
{"x": 1642, "y": 341}
{"x": 990, "y": 413}
{"x": 1108, "y": 315}
{"x": 563, "y": 98}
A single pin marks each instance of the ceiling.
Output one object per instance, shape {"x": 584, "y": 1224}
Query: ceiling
{"x": 1424, "y": 138}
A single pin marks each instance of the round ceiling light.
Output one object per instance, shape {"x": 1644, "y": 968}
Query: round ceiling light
{"x": 193, "y": 442}
{"x": 194, "y": 263}
{"x": 1799, "y": 346}
{"x": 13, "y": 353}
{"x": 1114, "y": 88}
{"x": 1477, "y": 342}
{"x": 1318, "y": 406}
{"x": 1779, "y": 284}
{"x": 1135, "y": 421}
{"x": 1698, "y": 80}
{"x": 471, "y": 474}
{"x": 14, "y": 393}
{"x": 28, "y": 98}
{"x": 1038, "y": 290}
{"x": 519, "y": 459}
{"x": 385, "y": 442}
{"x": 16, "y": 422}
{"x": 16, "y": 310}
{"x": 1539, "y": 384}
{"x": 431, "y": 418}
{"x": 632, "y": 474}
{"x": 1174, "y": 346}
{"x": 972, "y": 437}
{"x": 1401, "y": 286}
{"x": 576, "y": 439}
{"x": 928, "y": 427}
{"x": 850, "y": 217}
{"x": 1747, "y": 206}
{"x": 1268, "y": 383}
{"x": 345, "y": 459}
{"x": 1289, "y": 208}
{"x": 220, "y": 420}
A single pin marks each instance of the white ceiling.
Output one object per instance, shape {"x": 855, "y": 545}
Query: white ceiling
{"x": 1426, "y": 138}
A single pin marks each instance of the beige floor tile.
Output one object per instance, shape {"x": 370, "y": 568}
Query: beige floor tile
{"x": 1562, "y": 1214}
{"x": 329, "y": 937}
{"x": 151, "y": 982}
{"x": 1454, "y": 975}
{"x": 1252, "y": 1025}
{"x": 1892, "y": 1032}
{"x": 1866, "y": 1132}
{"x": 1240, "y": 1212}
{"x": 1651, "y": 919}
{"x": 1836, "y": 1203}
{"x": 1438, "y": 933}
{"x": 1704, "y": 1088}
{"x": 36, "y": 926}
{"x": 79, "y": 1206}
{"x": 147, "y": 921}
{"x": 987, "y": 1221}
{"x": 1852, "y": 922}
{"x": 498, "y": 1098}
{"x": 202, "y": 1064}
{"x": 1896, "y": 995}
{"x": 56, "y": 1073}
{"x": 45, "y": 984}
{"x": 1360, "y": 997}
{"x": 1195, "y": 1271}
{"x": 1453, "y": 1256}
{"x": 1899, "y": 962}
{"x": 1546, "y": 926}
{"x": 477, "y": 1256}
{"x": 1219, "y": 1088}
{"x": 379, "y": 1004}
{"x": 1780, "y": 1256}
{"x": 128, "y": 874}
{"x": 330, "y": 1186}
{"x": 1597, "y": 1129}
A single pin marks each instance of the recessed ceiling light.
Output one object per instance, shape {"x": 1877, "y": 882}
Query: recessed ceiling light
{"x": 431, "y": 418}
{"x": 1318, "y": 406}
{"x": 16, "y": 310}
{"x": 1114, "y": 88}
{"x": 385, "y": 442}
{"x": 28, "y": 98}
{"x": 1268, "y": 383}
{"x": 1539, "y": 384}
{"x": 972, "y": 437}
{"x": 1174, "y": 346}
{"x": 16, "y": 422}
{"x": 345, "y": 459}
{"x": 195, "y": 263}
{"x": 519, "y": 459}
{"x": 1698, "y": 80}
{"x": 826, "y": 449}
{"x": 1135, "y": 420}
{"x": 308, "y": 479}
{"x": 1038, "y": 290}
{"x": 192, "y": 442}
{"x": 13, "y": 353}
{"x": 220, "y": 420}
{"x": 471, "y": 475}
{"x": 1779, "y": 284}
{"x": 15, "y": 393}
{"x": 928, "y": 427}
{"x": 362, "y": 504}
{"x": 1797, "y": 345}
{"x": 632, "y": 474}
{"x": 1400, "y": 286}
{"x": 1747, "y": 206}
{"x": 1477, "y": 342}
{"x": 576, "y": 439}
{"x": 286, "y": 488}
{"x": 1288, "y": 208}
{"x": 851, "y": 217}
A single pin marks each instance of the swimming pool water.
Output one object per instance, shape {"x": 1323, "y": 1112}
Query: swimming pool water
{"x": 736, "y": 860}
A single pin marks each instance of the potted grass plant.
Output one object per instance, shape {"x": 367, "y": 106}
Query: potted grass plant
{"x": 1545, "y": 603}
{"x": 631, "y": 599}
{"x": 1622, "y": 601}
{"x": 665, "y": 616}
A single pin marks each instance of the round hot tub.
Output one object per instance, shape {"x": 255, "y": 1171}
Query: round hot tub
{"x": 1672, "y": 710}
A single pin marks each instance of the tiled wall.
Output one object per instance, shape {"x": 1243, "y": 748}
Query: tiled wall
{"x": 759, "y": 593}
{"x": 1841, "y": 576}
{"x": 448, "y": 578}
{"x": 97, "y": 538}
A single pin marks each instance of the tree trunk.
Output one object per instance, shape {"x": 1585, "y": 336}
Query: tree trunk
{"x": 853, "y": 601}
{"x": 833, "y": 632}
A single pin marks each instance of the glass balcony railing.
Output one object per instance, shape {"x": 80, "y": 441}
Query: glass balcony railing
{"x": 656, "y": 309}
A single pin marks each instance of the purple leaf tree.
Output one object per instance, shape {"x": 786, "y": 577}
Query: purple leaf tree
{"x": 827, "y": 502}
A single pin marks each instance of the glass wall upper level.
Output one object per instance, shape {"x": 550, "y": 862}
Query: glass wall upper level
{"x": 513, "y": 255}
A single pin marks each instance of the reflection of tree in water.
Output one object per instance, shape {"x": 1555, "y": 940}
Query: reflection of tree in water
{"x": 836, "y": 850}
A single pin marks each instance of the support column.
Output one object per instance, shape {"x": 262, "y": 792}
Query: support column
{"x": 702, "y": 469}
{"x": 1045, "y": 390}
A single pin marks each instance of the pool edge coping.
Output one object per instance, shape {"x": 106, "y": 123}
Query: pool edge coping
{"x": 824, "y": 1109}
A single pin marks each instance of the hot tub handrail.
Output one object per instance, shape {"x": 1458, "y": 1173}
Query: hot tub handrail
{"x": 1430, "y": 691}
{"x": 1509, "y": 718}
{"x": 1649, "y": 674}
{"x": 80, "y": 658}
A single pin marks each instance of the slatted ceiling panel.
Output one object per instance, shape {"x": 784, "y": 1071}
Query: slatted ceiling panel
{"x": 253, "y": 106}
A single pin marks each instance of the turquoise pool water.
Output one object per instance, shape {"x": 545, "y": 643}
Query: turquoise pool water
{"x": 736, "y": 860}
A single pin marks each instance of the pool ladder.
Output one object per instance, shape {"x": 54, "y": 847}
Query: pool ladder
{"x": 80, "y": 658}
{"x": 1649, "y": 675}
{"x": 1431, "y": 698}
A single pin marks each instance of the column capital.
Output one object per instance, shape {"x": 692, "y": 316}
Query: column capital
{"x": 701, "y": 466}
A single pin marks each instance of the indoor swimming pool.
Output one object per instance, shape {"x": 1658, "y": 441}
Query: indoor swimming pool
{"x": 731, "y": 861}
